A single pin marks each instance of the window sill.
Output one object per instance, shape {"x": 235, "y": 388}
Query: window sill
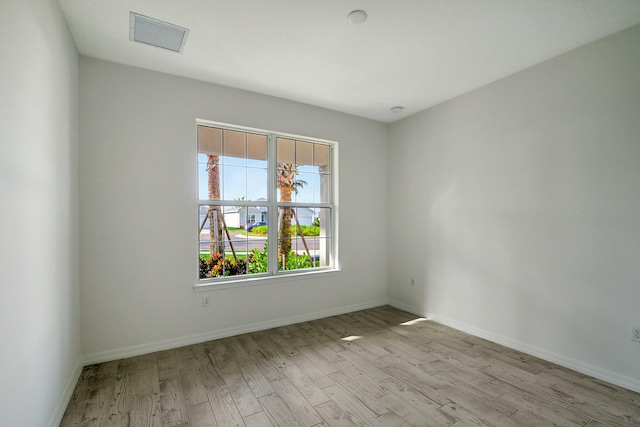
{"x": 264, "y": 280}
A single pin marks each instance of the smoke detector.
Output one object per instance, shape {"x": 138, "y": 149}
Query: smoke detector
{"x": 357, "y": 16}
{"x": 157, "y": 33}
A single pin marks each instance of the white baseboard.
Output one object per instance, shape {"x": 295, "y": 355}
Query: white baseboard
{"x": 138, "y": 350}
{"x": 65, "y": 397}
{"x": 406, "y": 307}
{"x": 567, "y": 362}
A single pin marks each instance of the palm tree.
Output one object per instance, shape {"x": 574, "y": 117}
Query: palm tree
{"x": 286, "y": 176}
{"x": 216, "y": 239}
{"x": 286, "y": 184}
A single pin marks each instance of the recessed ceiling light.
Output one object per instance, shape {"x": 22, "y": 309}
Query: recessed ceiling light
{"x": 357, "y": 16}
{"x": 397, "y": 109}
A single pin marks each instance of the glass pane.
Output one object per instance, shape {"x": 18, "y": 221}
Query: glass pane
{"x": 286, "y": 151}
{"x": 256, "y": 184}
{"x": 321, "y": 157}
{"x": 202, "y": 181}
{"x": 257, "y": 257}
{"x": 322, "y": 188}
{"x": 302, "y": 189}
{"x": 209, "y": 179}
{"x": 234, "y": 147}
{"x": 209, "y": 140}
{"x": 234, "y": 183}
{"x": 301, "y": 239}
{"x": 226, "y": 248}
{"x": 256, "y": 235}
{"x": 304, "y": 156}
{"x": 216, "y": 256}
{"x": 257, "y": 147}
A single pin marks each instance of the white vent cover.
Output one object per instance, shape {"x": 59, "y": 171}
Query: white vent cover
{"x": 157, "y": 33}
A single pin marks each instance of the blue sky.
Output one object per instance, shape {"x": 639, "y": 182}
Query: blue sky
{"x": 246, "y": 177}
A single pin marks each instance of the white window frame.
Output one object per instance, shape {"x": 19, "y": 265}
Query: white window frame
{"x": 273, "y": 204}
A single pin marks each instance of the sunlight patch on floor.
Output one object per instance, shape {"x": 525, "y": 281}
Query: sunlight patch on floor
{"x": 414, "y": 321}
{"x": 351, "y": 338}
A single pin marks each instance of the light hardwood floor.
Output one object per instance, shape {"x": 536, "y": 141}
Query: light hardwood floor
{"x": 376, "y": 367}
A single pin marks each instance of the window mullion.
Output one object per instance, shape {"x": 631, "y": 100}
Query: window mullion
{"x": 272, "y": 193}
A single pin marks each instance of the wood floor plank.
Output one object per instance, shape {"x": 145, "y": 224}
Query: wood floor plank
{"x": 367, "y": 391}
{"x": 267, "y": 369}
{"x": 297, "y": 403}
{"x": 98, "y": 406}
{"x": 259, "y": 419}
{"x": 531, "y": 383}
{"x": 278, "y": 412}
{"x": 628, "y": 396}
{"x": 400, "y": 405}
{"x": 596, "y": 423}
{"x": 235, "y": 382}
{"x": 451, "y": 369}
{"x": 391, "y": 419}
{"x": 295, "y": 336}
{"x": 545, "y": 412}
{"x": 193, "y": 391}
{"x": 224, "y": 408}
{"x": 607, "y": 409}
{"x": 376, "y": 367}
{"x": 400, "y": 345}
{"x": 519, "y": 360}
{"x": 200, "y": 415}
{"x": 364, "y": 364}
{"x": 145, "y": 411}
{"x": 352, "y": 405}
{"x": 173, "y": 410}
{"x": 558, "y": 374}
{"x": 319, "y": 378}
{"x": 322, "y": 358}
{"x": 334, "y": 416}
{"x": 303, "y": 383}
{"x": 255, "y": 378}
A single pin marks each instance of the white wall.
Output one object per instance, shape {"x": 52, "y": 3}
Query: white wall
{"x": 138, "y": 150}
{"x": 39, "y": 292}
{"x": 532, "y": 188}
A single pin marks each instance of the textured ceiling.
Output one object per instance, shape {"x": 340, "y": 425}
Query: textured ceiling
{"x": 414, "y": 53}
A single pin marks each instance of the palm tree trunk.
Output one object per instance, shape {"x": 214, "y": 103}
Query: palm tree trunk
{"x": 216, "y": 238}
{"x": 286, "y": 177}
{"x": 284, "y": 241}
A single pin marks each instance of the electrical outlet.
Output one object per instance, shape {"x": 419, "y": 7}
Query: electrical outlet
{"x": 205, "y": 301}
{"x": 413, "y": 282}
{"x": 635, "y": 333}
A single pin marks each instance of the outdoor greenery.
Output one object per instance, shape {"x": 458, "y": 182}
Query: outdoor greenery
{"x": 296, "y": 261}
{"x": 218, "y": 266}
{"x": 255, "y": 262}
{"x": 307, "y": 230}
{"x": 218, "y": 262}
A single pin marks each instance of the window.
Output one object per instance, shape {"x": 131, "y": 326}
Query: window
{"x": 266, "y": 203}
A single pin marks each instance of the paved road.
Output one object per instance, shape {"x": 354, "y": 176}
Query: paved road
{"x": 242, "y": 243}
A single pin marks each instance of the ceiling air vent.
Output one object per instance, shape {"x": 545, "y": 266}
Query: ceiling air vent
{"x": 157, "y": 33}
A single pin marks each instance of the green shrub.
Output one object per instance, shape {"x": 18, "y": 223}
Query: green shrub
{"x": 220, "y": 266}
{"x": 261, "y": 229}
{"x": 205, "y": 267}
{"x": 296, "y": 261}
{"x": 258, "y": 260}
{"x": 307, "y": 230}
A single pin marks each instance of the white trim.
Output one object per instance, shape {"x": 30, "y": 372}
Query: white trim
{"x": 567, "y": 362}
{"x": 65, "y": 397}
{"x": 261, "y": 279}
{"x": 406, "y": 307}
{"x": 137, "y": 350}
{"x": 273, "y": 205}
